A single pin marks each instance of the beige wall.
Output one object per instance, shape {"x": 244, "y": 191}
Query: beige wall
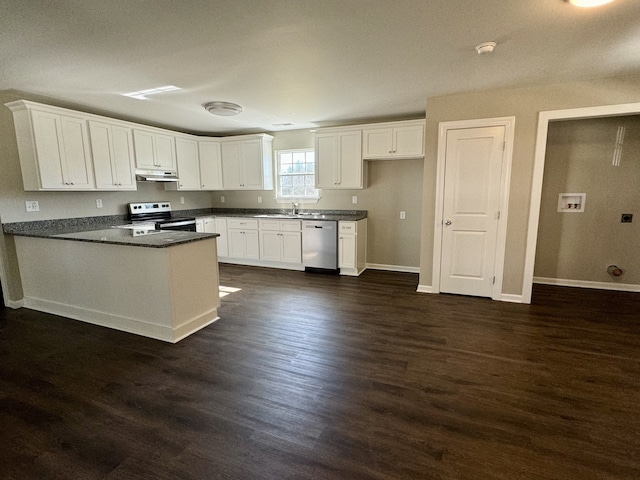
{"x": 524, "y": 104}
{"x": 393, "y": 186}
{"x": 580, "y": 246}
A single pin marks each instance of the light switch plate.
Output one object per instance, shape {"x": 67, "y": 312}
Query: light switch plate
{"x": 32, "y": 206}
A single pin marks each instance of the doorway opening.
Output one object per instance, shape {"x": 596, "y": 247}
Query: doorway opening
{"x": 589, "y": 239}
{"x": 544, "y": 119}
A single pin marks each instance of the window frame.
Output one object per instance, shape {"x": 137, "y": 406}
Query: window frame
{"x": 279, "y": 198}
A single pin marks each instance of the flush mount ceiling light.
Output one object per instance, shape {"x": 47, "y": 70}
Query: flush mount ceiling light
{"x": 223, "y": 109}
{"x": 485, "y": 48}
{"x": 588, "y": 3}
{"x": 142, "y": 94}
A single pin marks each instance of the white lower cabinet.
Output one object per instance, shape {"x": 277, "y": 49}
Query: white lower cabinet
{"x": 352, "y": 247}
{"x": 243, "y": 238}
{"x": 215, "y": 225}
{"x": 220, "y": 226}
{"x": 277, "y": 243}
{"x": 281, "y": 241}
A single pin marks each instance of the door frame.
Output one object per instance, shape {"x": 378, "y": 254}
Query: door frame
{"x": 505, "y": 183}
{"x": 538, "y": 173}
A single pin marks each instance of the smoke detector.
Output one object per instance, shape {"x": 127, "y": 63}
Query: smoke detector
{"x": 485, "y": 48}
{"x": 223, "y": 109}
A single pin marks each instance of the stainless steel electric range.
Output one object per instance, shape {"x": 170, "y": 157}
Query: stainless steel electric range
{"x": 156, "y": 216}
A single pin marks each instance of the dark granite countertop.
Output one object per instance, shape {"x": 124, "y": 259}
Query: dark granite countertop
{"x": 136, "y": 237}
{"x": 100, "y": 230}
{"x": 335, "y": 215}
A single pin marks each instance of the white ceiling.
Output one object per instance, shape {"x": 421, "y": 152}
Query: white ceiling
{"x": 307, "y": 62}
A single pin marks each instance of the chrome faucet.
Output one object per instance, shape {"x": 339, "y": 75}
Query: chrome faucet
{"x": 294, "y": 208}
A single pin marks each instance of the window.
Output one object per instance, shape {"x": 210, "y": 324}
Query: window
{"x": 295, "y": 175}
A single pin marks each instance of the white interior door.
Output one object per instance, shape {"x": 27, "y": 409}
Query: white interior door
{"x": 471, "y": 209}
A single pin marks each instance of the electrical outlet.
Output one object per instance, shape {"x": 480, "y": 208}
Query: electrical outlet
{"x": 182, "y": 200}
{"x": 98, "y": 203}
{"x": 403, "y": 215}
{"x": 354, "y": 199}
{"x": 221, "y": 198}
{"x": 32, "y": 206}
{"x": 259, "y": 198}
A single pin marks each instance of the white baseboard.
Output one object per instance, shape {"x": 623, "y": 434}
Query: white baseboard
{"x": 15, "y": 304}
{"x": 125, "y": 324}
{"x": 262, "y": 263}
{"x": 393, "y": 268}
{"x": 505, "y": 297}
{"x": 564, "y": 282}
{"x": 511, "y": 298}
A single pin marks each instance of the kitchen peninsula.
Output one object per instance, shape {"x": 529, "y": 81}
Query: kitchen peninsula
{"x": 162, "y": 285}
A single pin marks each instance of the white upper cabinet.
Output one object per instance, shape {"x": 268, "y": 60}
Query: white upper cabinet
{"x": 247, "y": 162}
{"x": 394, "y": 140}
{"x": 188, "y": 162}
{"x": 210, "y": 165}
{"x": 113, "y": 157}
{"x": 154, "y": 150}
{"x": 53, "y": 145}
{"x": 199, "y": 165}
{"x": 339, "y": 162}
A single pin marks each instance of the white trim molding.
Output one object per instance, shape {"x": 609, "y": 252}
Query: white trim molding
{"x": 538, "y": 174}
{"x": 15, "y": 304}
{"x": 510, "y": 298}
{"x": 425, "y": 289}
{"x": 393, "y": 268}
{"x": 566, "y": 282}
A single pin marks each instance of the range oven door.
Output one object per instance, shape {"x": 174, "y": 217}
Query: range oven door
{"x": 185, "y": 225}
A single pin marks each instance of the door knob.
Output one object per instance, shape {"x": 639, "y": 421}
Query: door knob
{"x": 447, "y": 222}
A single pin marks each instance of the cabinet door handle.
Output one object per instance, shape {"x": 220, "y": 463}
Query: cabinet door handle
{"x": 447, "y": 222}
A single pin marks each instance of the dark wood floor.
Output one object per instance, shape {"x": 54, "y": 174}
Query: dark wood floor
{"x": 309, "y": 376}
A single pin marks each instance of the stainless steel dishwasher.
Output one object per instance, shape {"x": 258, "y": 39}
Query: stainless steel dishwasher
{"x": 320, "y": 246}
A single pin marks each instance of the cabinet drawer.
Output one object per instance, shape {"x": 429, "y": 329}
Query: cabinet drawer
{"x": 348, "y": 227}
{"x": 270, "y": 225}
{"x": 280, "y": 225}
{"x": 247, "y": 223}
{"x": 290, "y": 226}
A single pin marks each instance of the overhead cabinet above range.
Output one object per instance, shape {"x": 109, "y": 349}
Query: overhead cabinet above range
{"x": 154, "y": 150}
